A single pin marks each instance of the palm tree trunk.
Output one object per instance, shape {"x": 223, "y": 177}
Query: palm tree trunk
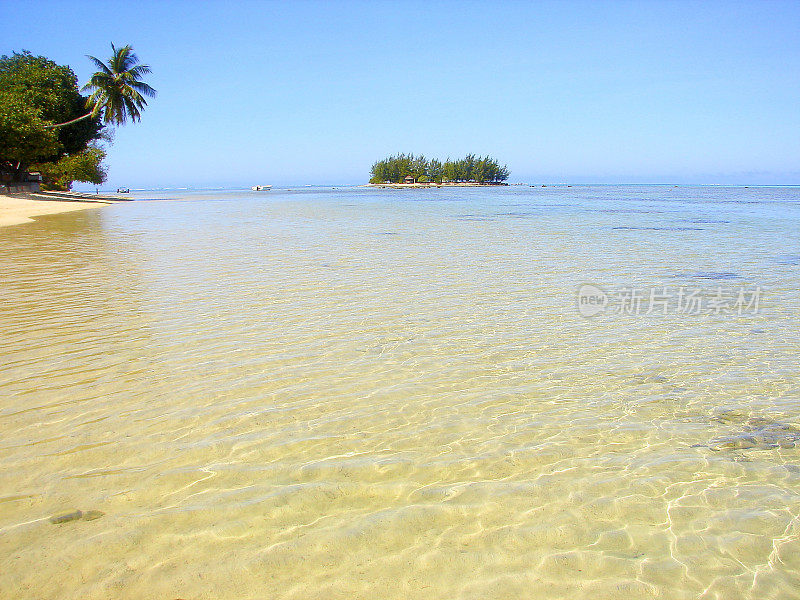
{"x": 86, "y": 116}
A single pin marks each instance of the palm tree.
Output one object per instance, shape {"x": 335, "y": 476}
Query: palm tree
{"x": 118, "y": 91}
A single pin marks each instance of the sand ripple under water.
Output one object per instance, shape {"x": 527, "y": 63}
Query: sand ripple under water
{"x": 234, "y": 397}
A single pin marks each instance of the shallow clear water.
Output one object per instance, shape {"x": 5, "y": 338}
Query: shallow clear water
{"x": 395, "y": 394}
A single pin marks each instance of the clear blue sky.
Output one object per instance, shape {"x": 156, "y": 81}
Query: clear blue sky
{"x": 314, "y": 92}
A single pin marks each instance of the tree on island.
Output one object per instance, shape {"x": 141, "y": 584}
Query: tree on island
{"x": 395, "y": 169}
{"x": 44, "y": 123}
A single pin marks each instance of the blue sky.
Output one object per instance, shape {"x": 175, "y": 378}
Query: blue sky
{"x": 314, "y": 92}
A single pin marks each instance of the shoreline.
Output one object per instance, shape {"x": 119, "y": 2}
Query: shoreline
{"x": 20, "y": 209}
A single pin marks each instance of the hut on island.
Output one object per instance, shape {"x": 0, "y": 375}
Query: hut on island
{"x": 409, "y": 179}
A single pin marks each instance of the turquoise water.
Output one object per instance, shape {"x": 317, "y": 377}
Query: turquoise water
{"x": 396, "y": 393}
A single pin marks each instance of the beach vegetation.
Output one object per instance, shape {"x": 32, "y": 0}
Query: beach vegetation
{"x": 48, "y": 125}
{"x": 35, "y": 93}
{"x": 117, "y": 90}
{"x": 23, "y": 137}
{"x": 86, "y": 165}
{"x": 472, "y": 169}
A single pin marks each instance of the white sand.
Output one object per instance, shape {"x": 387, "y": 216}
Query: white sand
{"x": 16, "y": 210}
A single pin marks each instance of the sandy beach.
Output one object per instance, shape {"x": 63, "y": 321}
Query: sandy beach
{"x": 15, "y": 210}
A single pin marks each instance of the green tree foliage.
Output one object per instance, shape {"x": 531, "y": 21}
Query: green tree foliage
{"x": 35, "y": 92}
{"x": 118, "y": 91}
{"x": 435, "y": 170}
{"x": 395, "y": 169}
{"x": 23, "y": 137}
{"x": 86, "y": 165}
{"x": 41, "y": 84}
{"x": 45, "y": 122}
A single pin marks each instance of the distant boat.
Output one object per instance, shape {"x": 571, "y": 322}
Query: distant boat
{"x": 261, "y": 188}
{"x": 123, "y": 190}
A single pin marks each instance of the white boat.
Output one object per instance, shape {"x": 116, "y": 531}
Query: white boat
{"x": 261, "y": 188}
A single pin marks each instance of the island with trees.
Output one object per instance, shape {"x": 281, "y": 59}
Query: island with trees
{"x": 408, "y": 170}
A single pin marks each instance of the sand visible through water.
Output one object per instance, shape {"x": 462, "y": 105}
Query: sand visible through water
{"x": 396, "y": 394}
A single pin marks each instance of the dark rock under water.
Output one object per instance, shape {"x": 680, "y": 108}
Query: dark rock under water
{"x": 759, "y": 433}
{"x": 76, "y": 515}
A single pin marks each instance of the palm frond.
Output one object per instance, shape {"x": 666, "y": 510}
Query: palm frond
{"x": 139, "y": 70}
{"x": 117, "y": 89}
{"x": 99, "y": 64}
{"x": 143, "y": 88}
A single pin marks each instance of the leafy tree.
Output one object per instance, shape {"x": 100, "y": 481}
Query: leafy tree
{"x": 481, "y": 169}
{"x": 85, "y": 165}
{"x": 394, "y": 169}
{"x": 418, "y": 167}
{"x": 434, "y": 171}
{"x": 449, "y": 171}
{"x": 46, "y": 123}
{"x": 23, "y": 138}
{"x": 34, "y": 92}
{"x": 39, "y": 82}
{"x": 468, "y": 171}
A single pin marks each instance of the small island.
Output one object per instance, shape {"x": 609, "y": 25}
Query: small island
{"x": 408, "y": 170}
